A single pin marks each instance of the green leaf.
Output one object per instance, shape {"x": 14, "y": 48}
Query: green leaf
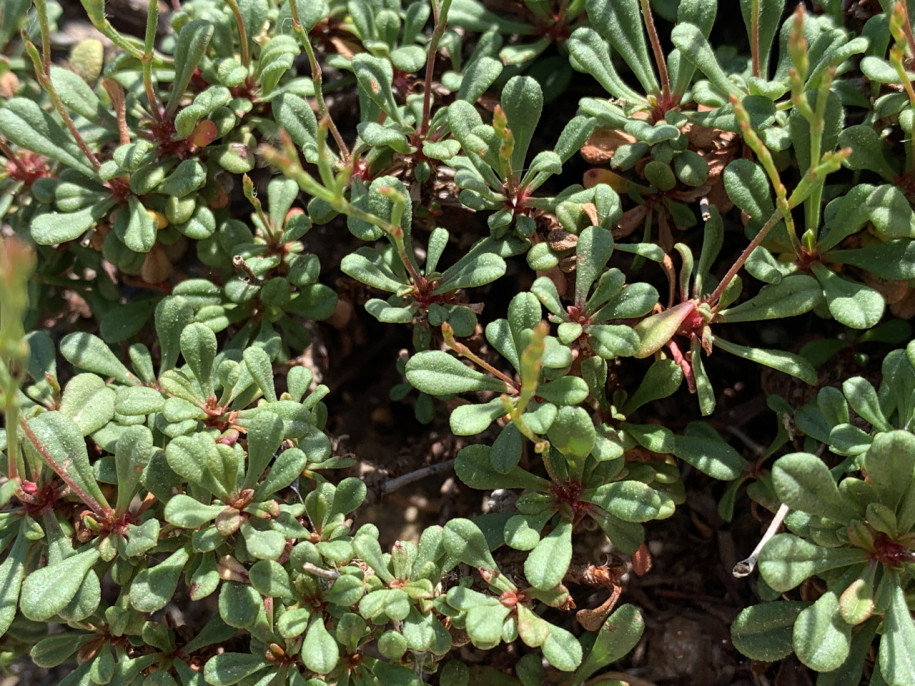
{"x": 12, "y": 572}
{"x": 52, "y": 228}
{"x": 85, "y": 351}
{"x": 891, "y": 260}
{"x": 562, "y": 649}
{"x": 522, "y": 101}
{"x": 703, "y": 448}
{"x": 471, "y": 271}
{"x": 134, "y": 401}
{"x": 239, "y": 604}
{"x": 764, "y": 632}
{"x": 198, "y": 347}
{"x": 56, "y": 649}
{"x": 787, "y": 560}
{"x": 471, "y": 419}
{"x": 230, "y": 668}
{"x": 617, "y": 636}
{"x": 789, "y": 363}
{"x": 89, "y": 402}
{"x": 154, "y": 587}
{"x": 287, "y": 467}
{"x": 320, "y": 651}
{"x": 822, "y": 639}
{"x": 259, "y": 366}
{"x": 47, "y": 591}
{"x": 694, "y": 47}
{"x": 897, "y": 646}
{"x": 438, "y": 373}
{"x": 474, "y": 467}
{"x": 479, "y": 75}
{"x": 265, "y": 433}
{"x": 621, "y": 24}
{"x": 572, "y": 432}
{"x": 131, "y": 455}
{"x": 748, "y": 187}
{"x": 590, "y": 53}
{"x": 142, "y": 537}
{"x": 793, "y": 295}
{"x": 862, "y": 398}
{"x": 853, "y": 304}
{"x": 803, "y": 482}
{"x": 390, "y": 603}
{"x": 190, "y": 513}
{"x": 24, "y": 123}
{"x": 63, "y": 442}
{"x": 631, "y": 501}
{"x": 566, "y": 390}
{"x": 375, "y": 75}
{"x": 172, "y": 315}
{"x": 594, "y": 248}
{"x": 270, "y": 579}
{"x": 547, "y": 563}
{"x": 890, "y": 212}
{"x": 190, "y": 48}
{"x": 295, "y": 116}
{"x": 507, "y": 449}
{"x": 890, "y": 465}
{"x": 661, "y": 380}
{"x": 194, "y": 458}
{"x": 464, "y": 541}
{"x": 856, "y": 604}
{"x": 263, "y": 545}
{"x": 866, "y": 150}
{"x": 484, "y": 624}
{"x": 367, "y": 266}
{"x": 378, "y": 136}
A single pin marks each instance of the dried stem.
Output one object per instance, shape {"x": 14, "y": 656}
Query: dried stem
{"x": 396, "y": 484}
{"x": 746, "y": 567}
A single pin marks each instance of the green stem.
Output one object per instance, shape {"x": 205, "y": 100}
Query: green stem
{"x": 812, "y": 207}
{"x": 292, "y": 168}
{"x": 95, "y": 10}
{"x": 248, "y": 190}
{"x": 765, "y": 158}
{"x": 441, "y": 18}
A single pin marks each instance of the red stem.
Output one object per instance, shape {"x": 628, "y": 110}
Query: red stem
{"x": 656, "y": 49}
